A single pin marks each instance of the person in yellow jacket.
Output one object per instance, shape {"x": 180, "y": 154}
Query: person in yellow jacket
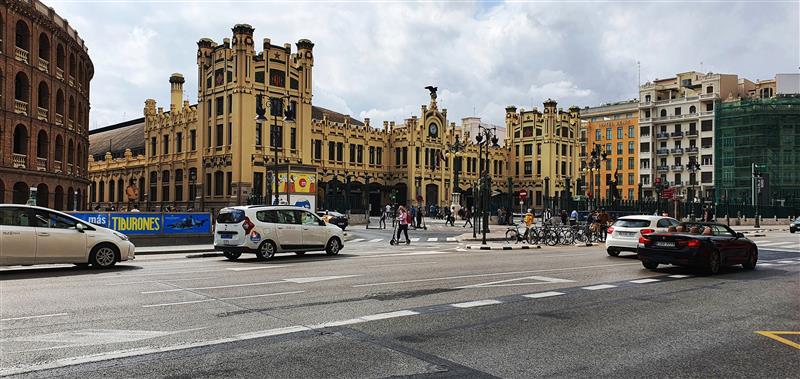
{"x": 528, "y": 218}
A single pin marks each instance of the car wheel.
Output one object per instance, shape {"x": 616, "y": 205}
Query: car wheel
{"x": 650, "y": 265}
{"x": 231, "y": 255}
{"x": 300, "y": 252}
{"x": 752, "y": 259}
{"x": 713, "y": 263}
{"x": 103, "y": 256}
{"x": 612, "y": 252}
{"x": 333, "y": 246}
{"x": 266, "y": 251}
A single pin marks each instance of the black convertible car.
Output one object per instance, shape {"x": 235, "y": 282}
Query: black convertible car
{"x": 708, "y": 246}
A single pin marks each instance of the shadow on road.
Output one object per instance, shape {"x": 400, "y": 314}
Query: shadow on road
{"x": 20, "y": 272}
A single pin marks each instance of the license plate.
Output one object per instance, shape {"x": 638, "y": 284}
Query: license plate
{"x": 627, "y": 234}
{"x": 226, "y": 236}
{"x": 665, "y": 244}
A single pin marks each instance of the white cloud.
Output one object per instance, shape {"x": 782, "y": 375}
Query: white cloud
{"x": 374, "y": 59}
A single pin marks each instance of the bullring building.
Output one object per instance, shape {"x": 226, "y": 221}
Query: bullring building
{"x": 45, "y": 72}
{"x": 254, "y": 125}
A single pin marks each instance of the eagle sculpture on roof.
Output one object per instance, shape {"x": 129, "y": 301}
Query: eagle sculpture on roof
{"x": 433, "y": 91}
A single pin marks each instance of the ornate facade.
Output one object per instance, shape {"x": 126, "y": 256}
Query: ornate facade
{"x": 216, "y": 153}
{"x": 45, "y": 72}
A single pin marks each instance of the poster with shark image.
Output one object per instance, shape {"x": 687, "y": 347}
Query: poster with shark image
{"x": 187, "y": 223}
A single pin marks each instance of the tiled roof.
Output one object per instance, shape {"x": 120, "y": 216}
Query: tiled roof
{"x": 317, "y": 112}
{"x": 116, "y": 138}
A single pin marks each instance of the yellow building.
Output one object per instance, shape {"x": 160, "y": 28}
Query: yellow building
{"x": 215, "y": 153}
{"x": 614, "y": 129}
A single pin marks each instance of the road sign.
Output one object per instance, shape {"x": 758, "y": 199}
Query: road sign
{"x": 667, "y": 193}
{"x": 522, "y": 194}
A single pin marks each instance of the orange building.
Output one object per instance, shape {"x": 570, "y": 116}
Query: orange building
{"x": 614, "y": 128}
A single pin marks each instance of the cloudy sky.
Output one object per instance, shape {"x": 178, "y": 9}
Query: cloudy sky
{"x": 373, "y": 59}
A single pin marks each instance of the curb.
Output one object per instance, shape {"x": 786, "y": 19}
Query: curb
{"x": 500, "y": 247}
{"x": 175, "y": 252}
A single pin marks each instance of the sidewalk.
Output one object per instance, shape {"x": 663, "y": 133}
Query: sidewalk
{"x": 174, "y": 249}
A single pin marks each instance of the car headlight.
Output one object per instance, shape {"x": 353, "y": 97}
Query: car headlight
{"x": 120, "y": 236}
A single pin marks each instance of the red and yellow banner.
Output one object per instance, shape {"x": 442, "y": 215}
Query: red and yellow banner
{"x": 298, "y": 183}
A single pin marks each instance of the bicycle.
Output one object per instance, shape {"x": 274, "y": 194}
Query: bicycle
{"x": 514, "y": 235}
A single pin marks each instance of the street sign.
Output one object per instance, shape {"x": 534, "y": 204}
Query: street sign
{"x": 522, "y": 194}
{"x": 667, "y": 193}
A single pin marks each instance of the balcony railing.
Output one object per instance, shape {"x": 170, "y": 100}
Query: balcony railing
{"x": 677, "y": 150}
{"x": 59, "y": 73}
{"x": 41, "y": 164}
{"x": 70, "y": 124}
{"x": 676, "y": 117}
{"x": 20, "y": 107}
{"x": 21, "y": 54}
{"x": 677, "y": 168}
{"x": 707, "y": 113}
{"x": 705, "y": 96}
{"x": 662, "y": 152}
{"x": 692, "y": 133}
{"x": 20, "y": 160}
{"x": 662, "y": 135}
{"x": 59, "y": 119}
{"x": 662, "y": 168}
{"x": 43, "y": 65}
{"x": 677, "y": 134}
{"x": 57, "y": 166}
{"x": 692, "y": 150}
{"x": 69, "y": 168}
{"x": 41, "y": 113}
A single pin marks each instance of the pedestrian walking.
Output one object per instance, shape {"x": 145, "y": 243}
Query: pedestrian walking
{"x": 563, "y": 215}
{"x": 528, "y": 218}
{"x": 468, "y": 217}
{"x": 546, "y": 215}
{"x": 403, "y": 218}
{"x": 384, "y": 214}
{"x": 573, "y": 218}
{"x": 448, "y": 214}
{"x": 602, "y": 219}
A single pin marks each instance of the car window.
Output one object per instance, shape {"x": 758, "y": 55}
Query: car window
{"x": 45, "y": 219}
{"x": 230, "y": 216}
{"x": 675, "y": 222}
{"x": 267, "y": 216}
{"x": 288, "y": 217}
{"x": 664, "y": 223}
{"x": 721, "y": 231}
{"x": 14, "y": 216}
{"x": 309, "y": 219}
{"x": 632, "y": 223}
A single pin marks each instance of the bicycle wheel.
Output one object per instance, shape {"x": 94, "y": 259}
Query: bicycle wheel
{"x": 567, "y": 237}
{"x": 533, "y": 237}
{"x": 512, "y": 236}
{"x": 580, "y": 236}
{"x": 552, "y": 238}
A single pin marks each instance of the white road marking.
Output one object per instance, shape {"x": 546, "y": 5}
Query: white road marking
{"x": 388, "y": 315}
{"x": 505, "y": 283}
{"x": 157, "y": 281}
{"x": 405, "y": 264}
{"x": 405, "y": 254}
{"x": 356, "y": 240}
{"x": 476, "y": 303}
{"x": 254, "y": 268}
{"x": 317, "y": 279}
{"x": 784, "y": 262}
{"x": 543, "y": 294}
{"x": 33, "y": 317}
{"x": 493, "y": 274}
{"x": 376, "y": 240}
{"x": 210, "y": 287}
{"x": 762, "y": 242}
{"x": 776, "y": 244}
{"x": 416, "y": 239}
{"x": 765, "y": 264}
{"x": 599, "y": 287}
{"x": 643, "y": 281}
{"x": 433, "y": 239}
{"x": 679, "y": 276}
{"x": 154, "y": 274}
{"x": 451, "y": 239}
{"x": 218, "y": 299}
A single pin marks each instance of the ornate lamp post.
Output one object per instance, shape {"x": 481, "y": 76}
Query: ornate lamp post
{"x": 453, "y": 149}
{"x": 276, "y": 109}
{"x": 692, "y": 166}
{"x": 596, "y": 158}
{"x": 487, "y": 135}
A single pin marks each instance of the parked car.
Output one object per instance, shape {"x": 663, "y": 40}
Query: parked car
{"x": 708, "y": 246}
{"x": 623, "y": 234}
{"x": 36, "y": 235}
{"x": 795, "y": 226}
{"x": 334, "y": 218}
{"x": 265, "y": 230}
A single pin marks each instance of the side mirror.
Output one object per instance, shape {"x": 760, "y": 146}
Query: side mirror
{"x": 739, "y": 235}
{"x": 80, "y": 228}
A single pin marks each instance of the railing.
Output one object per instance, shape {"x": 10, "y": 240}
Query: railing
{"x": 41, "y": 164}
{"x": 57, "y": 167}
{"x": 59, "y": 73}
{"x": 677, "y": 134}
{"x": 662, "y": 168}
{"x": 69, "y": 168}
{"x": 43, "y": 65}
{"x": 677, "y": 168}
{"x": 708, "y": 96}
{"x": 677, "y": 150}
{"x": 662, "y": 135}
{"x": 21, "y": 54}
{"x": 20, "y": 160}
{"x": 692, "y": 150}
{"x": 692, "y": 133}
{"x": 676, "y": 116}
{"x": 41, "y": 113}
{"x": 662, "y": 152}
{"x": 707, "y": 113}
{"x": 20, "y": 107}
{"x": 59, "y": 119}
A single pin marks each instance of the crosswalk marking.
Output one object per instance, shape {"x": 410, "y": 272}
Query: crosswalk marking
{"x": 451, "y": 239}
{"x": 599, "y": 287}
{"x": 432, "y": 239}
{"x": 415, "y": 239}
{"x": 376, "y": 240}
{"x": 643, "y": 281}
{"x": 776, "y": 244}
{"x": 357, "y": 240}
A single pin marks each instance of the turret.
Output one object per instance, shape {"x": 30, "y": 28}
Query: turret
{"x": 176, "y": 91}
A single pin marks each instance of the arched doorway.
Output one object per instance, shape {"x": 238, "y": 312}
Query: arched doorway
{"x": 70, "y": 199}
{"x": 20, "y": 194}
{"x": 431, "y": 194}
{"x": 400, "y": 192}
{"x": 374, "y": 198}
{"x": 42, "y": 195}
{"x": 58, "y": 198}
{"x": 355, "y": 198}
{"x": 79, "y": 200}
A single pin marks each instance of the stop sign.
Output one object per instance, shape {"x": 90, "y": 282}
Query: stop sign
{"x": 522, "y": 194}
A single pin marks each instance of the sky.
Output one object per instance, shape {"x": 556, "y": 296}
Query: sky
{"x": 373, "y": 59}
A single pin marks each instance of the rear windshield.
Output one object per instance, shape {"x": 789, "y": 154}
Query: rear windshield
{"x": 230, "y": 216}
{"x": 632, "y": 223}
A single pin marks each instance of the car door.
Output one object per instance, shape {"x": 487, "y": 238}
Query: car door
{"x": 726, "y": 243}
{"x": 315, "y": 236}
{"x": 738, "y": 248}
{"x": 57, "y": 239}
{"x": 290, "y": 233}
{"x": 17, "y": 236}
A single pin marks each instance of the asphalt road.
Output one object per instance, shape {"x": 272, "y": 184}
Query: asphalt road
{"x": 430, "y": 309}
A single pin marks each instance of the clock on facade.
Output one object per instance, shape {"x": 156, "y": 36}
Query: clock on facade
{"x": 432, "y": 130}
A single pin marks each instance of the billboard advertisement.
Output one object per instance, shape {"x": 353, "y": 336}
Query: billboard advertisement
{"x": 100, "y": 219}
{"x": 187, "y": 223}
{"x": 135, "y": 223}
{"x": 299, "y": 183}
{"x": 150, "y": 223}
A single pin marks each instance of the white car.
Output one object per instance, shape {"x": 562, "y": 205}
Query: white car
{"x": 266, "y": 230}
{"x": 32, "y": 235}
{"x": 623, "y": 234}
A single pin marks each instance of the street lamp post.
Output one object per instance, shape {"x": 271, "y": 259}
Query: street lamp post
{"x": 692, "y": 166}
{"x": 484, "y": 137}
{"x": 546, "y": 193}
{"x": 454, "y": 149}
{"x": 276, "y": 109}
{"x": 596, "y": 158}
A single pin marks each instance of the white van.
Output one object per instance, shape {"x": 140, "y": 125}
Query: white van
{"x": 32, "y": 235}
{"x": 266, "y": 230}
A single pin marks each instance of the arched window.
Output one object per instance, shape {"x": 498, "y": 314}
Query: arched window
{"x": 93, "y": 192}
{"x": 70, "y": 152}
{"x": 21, "y": 87}
{"x": 663, "y": 113}
{"x": 178, "y": 185}
{"x": 42, "y": 195}
{"x": 42, "y": 144}
{"x": 80, "y": 114}
{"x": 60, "y": 103}
{"x": 120, "y": 190}
{"x": 111, "y": 190}
{"x": 101, "y": 192}
{"x": 21, "y": 193}
{"x": 44, "y": 96}
{"x": 71, "y": 115}
{"x": 72, "y": 65}
{"x": 2, "y": 186}
{"x": 59, "y": 153}
{"x": 23, "y": 36}
{"x": 692, "y": 109}
{"x": 44, "y": 47}
{"x": 647, "y": 98}
{"x": 58, "y": 199}
{"x": 20, "y": 140}
{"x": 80, "y": 73}
{"x": 153, "y": 185}
{"x": 165, "y": 186}
{"x": 60, "y": 56}
{"x": 219, "y": 183}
